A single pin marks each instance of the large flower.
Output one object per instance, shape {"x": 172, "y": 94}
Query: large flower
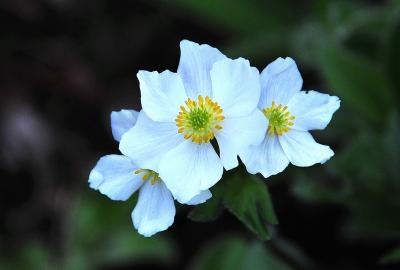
{"x": 291, "y": 114}
{"x": 211, "y": 96}
{"x": 118, "y": 177}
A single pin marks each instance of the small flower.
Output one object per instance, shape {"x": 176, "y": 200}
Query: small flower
{"x": 291, "y": 113}
{"x": 117, "y": 177}
{"x": 211, "y": 96}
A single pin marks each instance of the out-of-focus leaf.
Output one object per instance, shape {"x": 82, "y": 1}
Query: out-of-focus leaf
{"x": 392, "y": 256}
{"x": 241, "y": 16}
{"x": 32, "y": 256}
{"x": 360, "y": 83}
{"x": 247, "y": 197}
{"x": 102, "y": 233}
{"x": 235, "y": 253}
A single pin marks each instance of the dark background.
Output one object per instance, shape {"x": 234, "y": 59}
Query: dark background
{"x": 66, "y": 64}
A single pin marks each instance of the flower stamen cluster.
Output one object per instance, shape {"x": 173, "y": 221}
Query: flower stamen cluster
{"x": 280, "y": 120}
{"x": 199, "y": 120}
{"x": 149, "y": 175}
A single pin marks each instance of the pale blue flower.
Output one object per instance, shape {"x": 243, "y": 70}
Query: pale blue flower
{"x": 291, "y": 114}
{"x": 211, "y": 96}
{"x": 118, "y": 177}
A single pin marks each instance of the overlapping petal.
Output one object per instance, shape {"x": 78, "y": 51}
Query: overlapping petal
{"x": 148, "y": 141}
{"x": 155, "y": 209}
{"x": 122, "y": 121}
{"x": 313, "y": 110}
{"x": 237, "y": 134}
{"x": 114, "y": 176}
{"x": 195, "y": 66}
{"x": 161, "y": 94}
{"x": 235, "y": 86}
{"x": 202, "y": 197}
{"x": 280, "y": 81}
{"x": 266, "y": 158}
{"x": 302, "y": 150}
{"x": 189, "y": 169}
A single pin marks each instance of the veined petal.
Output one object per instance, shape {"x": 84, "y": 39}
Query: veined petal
{"x": 189, "y": 169}
{"x": 302, "y": 150}
{"x": 237, "y": 134}
{"x": 202, "y": 197}
{"x": 155, "y": 209}
{"x": 148, "y": 141}
{"x": 312, "y": 109}
{"x": 122, "y": 121}
{"x": 280, "y": 80}
{"x": 266, "y": 158}
{"x": 114, "y": 176}
{"x": 162, "y": 94}
{"x": 235, "y": 86}
{"x": 195, "y": 66}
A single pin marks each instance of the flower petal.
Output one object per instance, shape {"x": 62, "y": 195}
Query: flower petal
{"x": 162, "y": 94}
{"x": 266, "y": 158}
{"x": 235, "y": 86}
{"x": 312, "y": 109}
{"x": 189, "y": 169}
{"x": 155, "y": 209}
{"x": 122, "y": 121}
{"x": 237, "y": 134}
{"x": 148, "y": 140}
{"x": 202, "y": 197}
{"x": 302, "y": 150}
{"x": 280, "y": 80}
{"x": 195, "y": 65}
{"x": 114, "y": 176}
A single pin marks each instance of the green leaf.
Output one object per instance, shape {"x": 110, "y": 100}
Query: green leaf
{"x": 392, "y": 256}
{"x": 360, "y": 83}
{"x": 247, "y": 197}
{"x": 235, "y": 253}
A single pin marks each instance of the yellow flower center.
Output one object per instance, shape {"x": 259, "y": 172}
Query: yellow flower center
{"x": 280, "y": 120}
{"x": 199, "y": 120}
{"x": 149, "y": 175}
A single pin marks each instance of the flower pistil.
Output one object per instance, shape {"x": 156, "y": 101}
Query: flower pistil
{"x": 199, "y": 120}
{"x": 280, "y": 120}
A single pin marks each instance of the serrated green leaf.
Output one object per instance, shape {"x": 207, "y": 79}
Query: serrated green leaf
{"x": 247, "y": 197}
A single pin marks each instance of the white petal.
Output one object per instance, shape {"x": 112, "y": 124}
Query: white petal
{"x": 189, "y": 169}
{"x": 162, "y": 94}
{"x": 266, "y": 158}
{"x": 155, "y": 209}
{"x": 312, "y": 109}
{"x": 237, "y": 134}
{"x": 195, "y": 65}
{"x": 148, "y": 141}
{"x": 202, "y": 197}
{"x": 122, "y": 121}
{"x": 114, "y": 176}
{"x": 302, "y": 150}
{"x": 280, "y": 80}
{"x": 235, "y": 86}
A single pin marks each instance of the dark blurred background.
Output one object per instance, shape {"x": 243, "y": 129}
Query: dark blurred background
{"x": 66, "y": 64}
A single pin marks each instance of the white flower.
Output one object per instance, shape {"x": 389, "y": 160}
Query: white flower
{"x": 211, "y": 96}
{"x": 291, "y": 114}
{"x": 118, "y": 177}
